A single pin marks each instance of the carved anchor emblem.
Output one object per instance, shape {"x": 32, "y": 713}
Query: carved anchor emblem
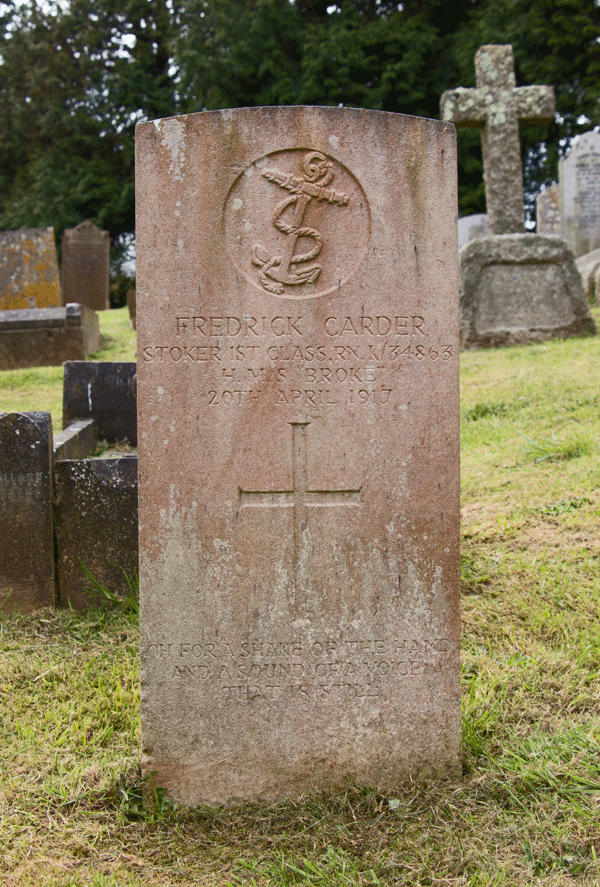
{"x": 277, "y": 271}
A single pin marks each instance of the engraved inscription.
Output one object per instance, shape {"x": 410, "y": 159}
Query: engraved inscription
{"x": 274, "y": 242}
{"x": 349, "y": 360}
{"x": 300, "y": 498}
{"x": 268, "y": 671}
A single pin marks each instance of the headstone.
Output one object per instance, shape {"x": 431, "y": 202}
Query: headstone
{"x": 47, "y": 336}
{"x": 28, "y": 269}
{"x": 520, "y": 288}
{"x": 587, "y": 265}
{"x": 497, "y": 106}
{"x": 471, "y": 227}
{"x": 579, "y": 181}
{"x": 105, "y": 392}
{"x": 85, "y": 266}
{"x": 548, "y": 212}
{"x": 97, "y": 525}
{"x": 298, "y": 428}
{"x": 26, "y": 516}
{"x": 131, "y": 306}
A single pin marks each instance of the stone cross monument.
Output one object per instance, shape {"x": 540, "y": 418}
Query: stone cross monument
{"x": 497, "y": 106}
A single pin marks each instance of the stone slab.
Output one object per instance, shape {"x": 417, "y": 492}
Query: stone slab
{"x": 548, "y": 212}
{"x": 85, "y": 266}
{"x": 298, "y": 429}
{"x": 517, "y": 288}
{"x": 579, "y": 183}
{"x": 26, "y": 516}
{"x": 28, "y": 269}
{"x": 105, "y": 392}
{"x": 470, "y": 227}
{"x": 47, "y": 336}
{"x": 77, "y": 441}
{"x": 96, "y": 522}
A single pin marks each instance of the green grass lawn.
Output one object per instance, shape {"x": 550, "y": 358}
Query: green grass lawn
{"x": 527, "y": 808}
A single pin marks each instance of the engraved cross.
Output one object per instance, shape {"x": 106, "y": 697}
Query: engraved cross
{"x": 497, "y": 106}
{"x": 300, "y": 498}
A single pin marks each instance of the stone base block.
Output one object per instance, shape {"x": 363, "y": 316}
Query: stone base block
{"x": 518, "y": 288}
{"x": 47, "y": 336}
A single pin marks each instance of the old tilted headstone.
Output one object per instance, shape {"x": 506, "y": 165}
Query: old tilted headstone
{"x": 298, "y": 434}
{"x": 28, "y": 269}
{"x": 497, "y": 106}
{"x": 514, "y": 287}
{"x": 85, "y": 266}
{"x": 579, "y": 183}
{"x": 26, "y": 514}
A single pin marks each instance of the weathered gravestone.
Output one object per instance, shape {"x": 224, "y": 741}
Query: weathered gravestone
{"x": 26, "y": 516}
{"x": 298, "y": 433}
{"x": 28, "y": 269}
{"x": 85, "y": 266}
{"x": 514, "y": 287}
{"x": 579, "y": 183}
{"x": 471, "y": 227}
{"x": 105, "y": 392}
{"x": 548, "y": 212}
{"x": 47, "y": 336}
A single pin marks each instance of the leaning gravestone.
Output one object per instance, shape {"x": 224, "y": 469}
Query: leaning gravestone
{"x": 28, "y": 269}
{"x": 579, "y": 182}
{"x": 514, "y": 287}
{"x": 26, "y": 515}
{"x": 298, "y": 434}
{"x": 85, "y": 266}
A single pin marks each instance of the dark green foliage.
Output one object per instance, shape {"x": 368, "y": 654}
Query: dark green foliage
{"x": 75, "y": 79}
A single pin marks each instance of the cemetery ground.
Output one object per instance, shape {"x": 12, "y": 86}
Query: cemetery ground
{"x": 527, "y": 808}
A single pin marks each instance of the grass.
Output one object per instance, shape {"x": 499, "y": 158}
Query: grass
{"x": 40, "y": 388}
{"x": 527, "y": 808}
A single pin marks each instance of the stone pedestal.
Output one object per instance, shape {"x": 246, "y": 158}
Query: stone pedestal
{"x": 517, "y": 288}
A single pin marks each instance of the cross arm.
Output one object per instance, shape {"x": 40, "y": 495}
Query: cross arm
{"x": 465, "y": 107}
{"x": 535, "y": 104}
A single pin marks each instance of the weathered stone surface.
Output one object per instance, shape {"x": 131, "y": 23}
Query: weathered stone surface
{"x": 47, "y": 336}
{"x": 26, "y": 517}
{"x": 520, "y": 288}
{"x": 85, "y": 266}
{"x": 28, "y": 269}
{"x": 470, "y": 227}
{"x": 96, "y": 523}
{"x": 131, "y": 307}
{"x": 77, "y": 441}
{"x": 579, "y": 182}
{"x": 298, "y": 428}
{"x": 104, "y": 392}
{"x": 496, "y": 106}
{"x": 587, "y": 265}
{"x": 548, "y": 212}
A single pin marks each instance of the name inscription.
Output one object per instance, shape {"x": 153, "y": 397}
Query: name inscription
{"x": 269, "y": 357}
